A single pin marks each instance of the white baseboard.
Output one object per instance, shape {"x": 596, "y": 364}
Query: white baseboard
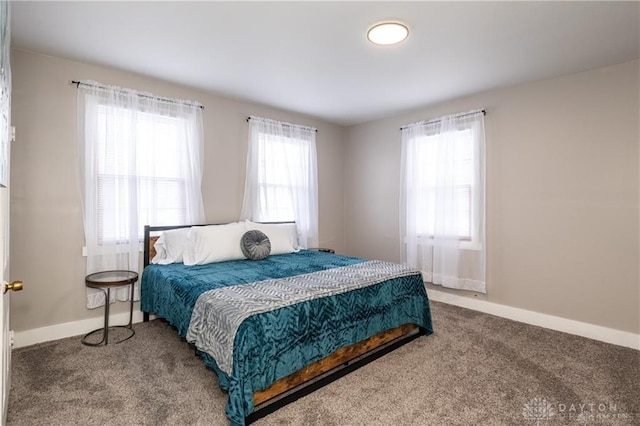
{"x": 596, "y": 332}
{"x": 70, "y": 329}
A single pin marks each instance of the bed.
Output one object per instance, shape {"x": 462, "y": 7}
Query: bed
{"x": 277, "y": 354}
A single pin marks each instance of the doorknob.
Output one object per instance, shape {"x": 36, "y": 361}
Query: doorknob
{"x": 15, "y": 286}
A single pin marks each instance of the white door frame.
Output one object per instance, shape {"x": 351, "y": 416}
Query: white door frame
{"x": 5, "y": 342}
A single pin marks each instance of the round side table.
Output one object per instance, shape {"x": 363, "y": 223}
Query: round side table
{"x": 105, "y": 281}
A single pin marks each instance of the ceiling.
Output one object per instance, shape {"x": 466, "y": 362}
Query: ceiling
{"x": 313, "y": 57}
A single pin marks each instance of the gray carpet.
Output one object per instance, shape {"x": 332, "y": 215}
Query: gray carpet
{"x": 476, "y": 369}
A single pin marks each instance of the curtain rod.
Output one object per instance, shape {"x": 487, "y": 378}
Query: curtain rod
{"x": 282, "y": 123}
{"x": 435, "y": 120}
{"x": 142, "y": 95}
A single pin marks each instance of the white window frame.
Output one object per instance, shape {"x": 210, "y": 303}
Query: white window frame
{"x": 471, "y": 237}
{"x": 282, "y": 156}
{"x": 139, "y": 175}
{"x": 275, "y": 178}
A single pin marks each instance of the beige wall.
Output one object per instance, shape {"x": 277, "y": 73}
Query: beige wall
{"x": 562, "y": 194}
{"x": 563, "y": 188}
{"x": 46, "y": 221}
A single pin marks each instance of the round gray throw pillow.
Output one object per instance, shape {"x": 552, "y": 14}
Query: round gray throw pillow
{"x": 255, "y": 245}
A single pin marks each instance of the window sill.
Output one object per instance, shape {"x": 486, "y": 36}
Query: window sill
{"x": 85, "y": 252}
{"x": 463, "y": 244}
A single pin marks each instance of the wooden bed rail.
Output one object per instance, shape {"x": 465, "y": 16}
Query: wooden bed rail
{"x": 341, "y": 356}
{"x": 329, "y": 369}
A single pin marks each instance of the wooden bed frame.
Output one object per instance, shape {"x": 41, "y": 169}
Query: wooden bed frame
{"x": 317, "y": 374}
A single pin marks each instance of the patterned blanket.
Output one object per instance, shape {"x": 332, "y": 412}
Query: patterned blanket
{"x": 218, "y": 313}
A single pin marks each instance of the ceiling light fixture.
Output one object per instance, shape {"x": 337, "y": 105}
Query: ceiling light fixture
{"x": 387, "y": 33}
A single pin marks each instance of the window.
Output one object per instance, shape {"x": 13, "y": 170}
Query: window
{"x": 149, "y": 171}
{"x": 278, "y": 177}
{"x": 140, "y": 163}
{"x": 443, "y": 201}
{"x": 463, "y": 188}
{"x": 281, "y": 181}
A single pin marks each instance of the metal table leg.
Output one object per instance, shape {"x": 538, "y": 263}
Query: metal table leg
{"x": 105, "y": 329}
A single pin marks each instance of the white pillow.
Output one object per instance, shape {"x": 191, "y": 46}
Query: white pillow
{"x": 283, "y": 236}
{"x": 170, "y": 246}
{"x": 214, "y": 243}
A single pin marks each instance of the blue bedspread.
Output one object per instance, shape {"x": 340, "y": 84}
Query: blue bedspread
{"x": 274, "y": 344}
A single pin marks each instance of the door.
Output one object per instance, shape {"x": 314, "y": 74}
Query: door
{"x": 5, "y": 342}
{"x": 5, "y": 120}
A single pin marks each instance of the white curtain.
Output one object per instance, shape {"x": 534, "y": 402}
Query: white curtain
{"x": 443, "y": 200}
{"x": 140, "y": 163}
{"x": 282, "y": 180}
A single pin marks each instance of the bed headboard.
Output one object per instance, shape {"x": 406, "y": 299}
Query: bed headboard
{"x": 149, "y": 250}
{"x": 149, "y": 240}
